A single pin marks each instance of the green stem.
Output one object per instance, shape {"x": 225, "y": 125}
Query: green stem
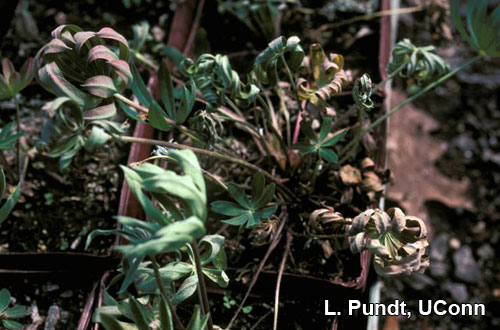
{"x": 390, "y": 76}
{"x": 289, "y": 72}
{"x": 163, "y": 292}
{"x": 412, "y": 98}
{"x": 132, "y": 139}
{"x": 202, "y": 285}
{"x": 18, "y": 143}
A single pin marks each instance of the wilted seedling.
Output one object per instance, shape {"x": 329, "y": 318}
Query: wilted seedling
{"x": 321, "y": 144}
{"x": 328, "y": 77}
{"x": 248, "y": 210}
{"x": 69, "y": 130}
{"x": 84, "y": 67}
{"x": 9, "y": 314}
{"x": 419, "y": 63}
{"x": 397, "y": 241}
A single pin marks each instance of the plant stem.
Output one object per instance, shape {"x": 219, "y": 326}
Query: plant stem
{"x": 411, "y": 99}
{"x": 289, "y": 72}
{"x": 390, "y": 76}
{"x": 18, "y": 143}
{"x": 163, "y": 292}
{"x": 133, "y": 104}
{"x": 202, "y": 285}
{"x": 132, "y": 139}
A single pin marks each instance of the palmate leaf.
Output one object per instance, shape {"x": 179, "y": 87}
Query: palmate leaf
{"x": 250, "y": 209}
{"x": 321, "y": 143}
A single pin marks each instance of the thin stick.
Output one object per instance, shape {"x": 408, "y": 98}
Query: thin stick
{"x": 262, "y": 263}
{"x": 289, "y": 238}
{"x": 214, "y": 154}
{"x": 177, "y": 320}
{"x": 202, "y": 285}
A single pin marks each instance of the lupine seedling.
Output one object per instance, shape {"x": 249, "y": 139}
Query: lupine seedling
{"x": 248, "y": 210}
{"x": 8, "y": 315}
{"x": 322, "y": 143}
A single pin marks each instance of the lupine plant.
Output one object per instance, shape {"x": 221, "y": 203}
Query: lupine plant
{"x": 8, "y": 315}
{"x": 295, "y": 150}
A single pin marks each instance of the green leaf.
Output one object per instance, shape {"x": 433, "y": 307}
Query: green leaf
{"x": 334, "y": 140}
{"x": 238, "y": 194}
{"x": 239, "y": 220}
{"x": 156, "y": 118}
{"x": 134, "y": 182}
{"x": 138, "y": 315}
{"x": 197, "y": 321}
{"x": 214, "y": 247}
{"x": 266, "y": 197}
{"x": 186, "y": 290}
{"x": 266, "y": 212}
{"x": 12, "y": 325}
{"x": 217, "y": 276}
{"x": 18, "y": 312}
{"x": 9, "y": 204}
{"x": 109, "y": 322}
{"x": 165, "y": 315}
{"x": 167, "y": 89}
{"x": 4, "y": 299}
{"x": 329, "y": 155}
{"x": 325, "y": 128}
{"x": 258, "y": 184}
{"x": 227, "y": 208}
{"x": 3, "y": 183}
